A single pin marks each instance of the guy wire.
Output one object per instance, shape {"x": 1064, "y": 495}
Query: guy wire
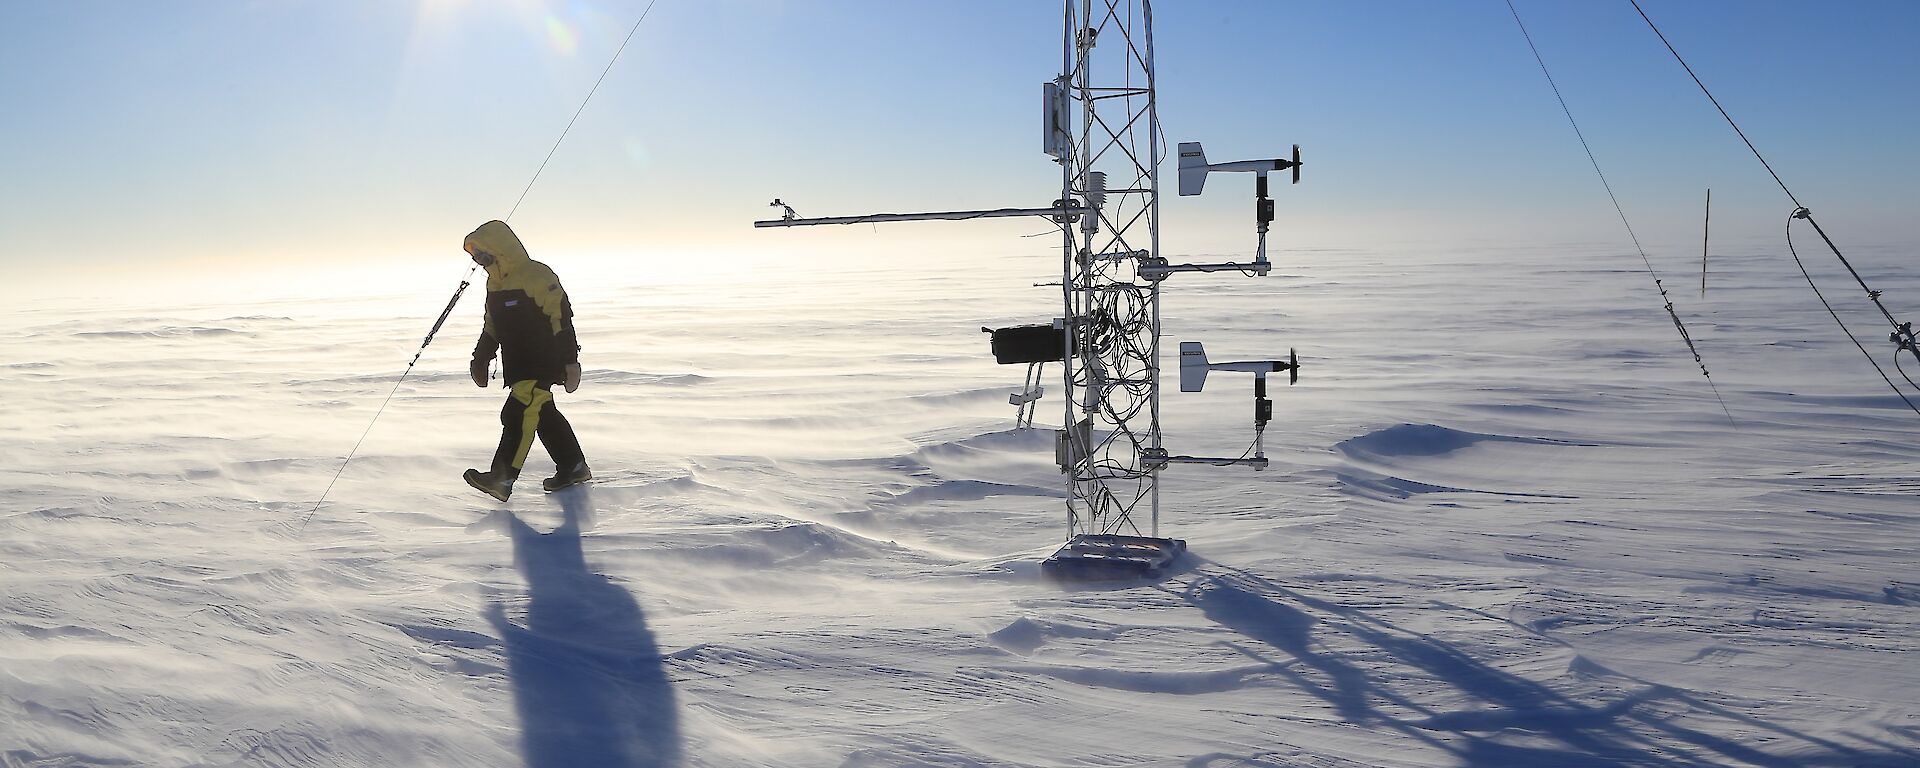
{"x": 1677, "y": 324}
{"x": 1716, "y": 104}
{"x": 1903, "y": 336}
{"x": 390, "y": 393}
{"x": 583, "y": 108}
{"x": 1843, "y": 324}
{"x": 465, "y": 282}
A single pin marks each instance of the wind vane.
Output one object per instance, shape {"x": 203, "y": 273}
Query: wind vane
{"x": 1107, "y": 338}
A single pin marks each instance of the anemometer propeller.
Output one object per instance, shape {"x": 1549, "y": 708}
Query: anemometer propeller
{"x": 1107, "y": 338}
{"x": 1193, "y": 178}
{"x": 1194, "y": 366}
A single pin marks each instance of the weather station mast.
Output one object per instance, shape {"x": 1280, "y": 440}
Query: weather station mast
{"x": 1101, "y": 125}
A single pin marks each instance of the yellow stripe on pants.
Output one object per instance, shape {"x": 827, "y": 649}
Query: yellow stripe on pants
{"x": 533, "y": 398}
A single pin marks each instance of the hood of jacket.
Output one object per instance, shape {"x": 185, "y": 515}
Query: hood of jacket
{"x": 496, "y": 238}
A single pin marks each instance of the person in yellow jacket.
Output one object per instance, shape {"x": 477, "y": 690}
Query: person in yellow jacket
{"x": 530, "y": 323}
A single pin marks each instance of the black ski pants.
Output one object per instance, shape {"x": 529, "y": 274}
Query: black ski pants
{"x": 530, "y": 411}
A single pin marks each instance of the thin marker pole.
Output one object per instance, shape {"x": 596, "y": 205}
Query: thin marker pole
{"x": 1705, "y": 232}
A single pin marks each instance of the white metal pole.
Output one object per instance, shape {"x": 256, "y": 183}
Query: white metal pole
{"x": 1153, "y": 228}
{"x": 1067, "y": 25}
{"x": 1085, "y": 293}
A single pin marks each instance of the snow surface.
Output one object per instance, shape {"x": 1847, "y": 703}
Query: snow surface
{"x": 1507, "y": 525}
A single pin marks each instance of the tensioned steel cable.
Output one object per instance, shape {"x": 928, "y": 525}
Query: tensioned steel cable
{"x": 1716, "y": 104}
{"x": 1903, "y": 335}
{"x": 390, "y": 393}
{"x": 583, "y": 108}
{"x": 464, "y": 282}
{"x": 1677, "y": 324}
{"x": 1843, "y": 324}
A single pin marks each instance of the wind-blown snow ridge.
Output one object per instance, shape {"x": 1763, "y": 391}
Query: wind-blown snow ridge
{"x": 1381, "y": 464}
{"x": 668, "y": 379}
{"x": 164, "y": 332}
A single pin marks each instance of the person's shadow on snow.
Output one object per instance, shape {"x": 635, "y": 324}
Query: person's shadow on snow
{"x": 587, "y": 677}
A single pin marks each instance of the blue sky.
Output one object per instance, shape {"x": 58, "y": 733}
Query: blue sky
{"x": 207, "y": 136}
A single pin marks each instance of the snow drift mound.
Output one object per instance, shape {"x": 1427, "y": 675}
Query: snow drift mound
{"x": 1425, "y": 440}
{"x": 1409, "y": 460}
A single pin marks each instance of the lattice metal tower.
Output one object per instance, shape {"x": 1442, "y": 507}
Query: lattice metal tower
{"x": 1101, "y": 126}
{"x": 1110, "y": 163}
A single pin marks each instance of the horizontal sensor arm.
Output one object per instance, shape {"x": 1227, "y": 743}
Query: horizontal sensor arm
{"x": 1068, "y": 210}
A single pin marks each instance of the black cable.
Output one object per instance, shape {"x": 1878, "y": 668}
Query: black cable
{"x": 1258, "y": 432}
{"x": 1677, "y": 324}
{"x": 1716, "y": 103}
{"x": 1843, "y": 323}
{"x": 1903, "y": 336}
{"x": 1902, "y": 369}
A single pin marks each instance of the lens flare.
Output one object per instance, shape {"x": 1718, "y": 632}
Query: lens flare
{"x": 636, "y": 151}
{"x": 564, "y": 37}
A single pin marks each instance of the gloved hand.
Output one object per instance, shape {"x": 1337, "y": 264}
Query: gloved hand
{"x": 573, "y": 377}
{"x": 478, "y": 369}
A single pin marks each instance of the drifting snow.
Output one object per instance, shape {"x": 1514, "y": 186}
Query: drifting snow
{"x": 1507, "y": 525}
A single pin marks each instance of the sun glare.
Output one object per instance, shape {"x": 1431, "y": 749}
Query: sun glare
{"x": 559, "y": 23}
{"x": 434, "y": 9}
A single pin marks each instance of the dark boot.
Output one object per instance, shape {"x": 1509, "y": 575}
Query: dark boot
{"x": 568, "y": 476}
{"x": 498, "y": 483}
